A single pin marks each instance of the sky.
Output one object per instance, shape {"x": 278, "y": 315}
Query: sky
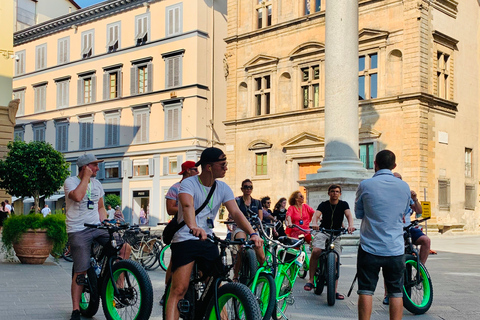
{"x": 86, "y": 3}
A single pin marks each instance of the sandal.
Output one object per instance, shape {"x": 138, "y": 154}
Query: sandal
{"x": 339, "y": 296}
{"x": 308, "y": 286}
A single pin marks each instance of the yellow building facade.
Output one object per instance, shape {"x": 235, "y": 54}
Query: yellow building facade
{"x": 418, "y": 79}
{"x": 140, "y": 84}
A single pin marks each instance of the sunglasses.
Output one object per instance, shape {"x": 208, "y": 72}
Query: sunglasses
{"x": 193, "y": 169}
{"x": 222, "y": 165}
{"x": 247, "y": 187}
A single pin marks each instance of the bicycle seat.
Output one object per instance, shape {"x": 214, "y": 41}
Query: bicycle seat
{"x": 287, "y": 241}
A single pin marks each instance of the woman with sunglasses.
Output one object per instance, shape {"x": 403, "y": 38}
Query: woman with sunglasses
{"x": 299, "y": 213}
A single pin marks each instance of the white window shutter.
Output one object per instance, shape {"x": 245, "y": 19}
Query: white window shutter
{"x": 176, "y": 124}
{"x": 106, "y": 86}
{"x": 133, "y": 80}
{"x": 149, "y": 77}
{"x": 151, "y": 167}
{"x": 179, "y": 163}
{"x": 170, "y": 22}
{"x": 165, "y": 166}
{"x": 80, "y": 93}
{"x": 177, "y": 19}
{"x": 94, "y": 88}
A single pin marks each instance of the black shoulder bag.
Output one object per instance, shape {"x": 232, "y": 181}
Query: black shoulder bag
{"x": 173, "y": 226}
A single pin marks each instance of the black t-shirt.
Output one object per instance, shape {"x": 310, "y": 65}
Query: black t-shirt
{"x": 337, "y": 211}
{"x": 255, "y": 206}
{"x": 281, "y": 215}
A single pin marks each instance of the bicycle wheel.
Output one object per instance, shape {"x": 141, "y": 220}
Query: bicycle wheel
{"x": 150, "y": 254}
{"x": 265, "y": 294}
{"x": 417, "y": 287}
{"x": 135, "y": 300}
{"x": 164, "y": 258}
{"x": 284, "y": 290}
{"x": 249, "y": 267}
{"x": 235, "y": 302}
{"x": 319, "y": 277}
{"x": 331, "y": 277}
{"x": 89, "y": 300}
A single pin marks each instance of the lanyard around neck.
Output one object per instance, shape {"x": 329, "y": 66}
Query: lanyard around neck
{"x": 89, "y": 188}
{"x": 210, "y": 203}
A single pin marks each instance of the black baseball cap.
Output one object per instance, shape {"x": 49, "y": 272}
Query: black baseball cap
{"x": 210, "y": 155}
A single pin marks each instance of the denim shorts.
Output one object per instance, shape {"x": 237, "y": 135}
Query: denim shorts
{"x": 368, "y": 268}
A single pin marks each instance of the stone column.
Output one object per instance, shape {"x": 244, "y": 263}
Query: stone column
{"x": 341, "y": 164}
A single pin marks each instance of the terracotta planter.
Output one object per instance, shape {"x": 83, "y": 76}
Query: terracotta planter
{"x": 34, "y": 247}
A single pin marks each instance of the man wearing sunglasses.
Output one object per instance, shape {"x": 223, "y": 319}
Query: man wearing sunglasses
{"x": 188, "y": 243}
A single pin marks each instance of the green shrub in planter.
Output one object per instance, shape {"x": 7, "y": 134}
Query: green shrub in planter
{"x": 15, "y": 226}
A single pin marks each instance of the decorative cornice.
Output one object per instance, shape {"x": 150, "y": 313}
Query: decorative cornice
{"x": 77, "y": 18}
{"x": 448, "y": 7}
{"x": 445, "y": 40}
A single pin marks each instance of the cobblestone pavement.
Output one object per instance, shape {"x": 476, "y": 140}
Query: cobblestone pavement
{"x": 43, "y": 291}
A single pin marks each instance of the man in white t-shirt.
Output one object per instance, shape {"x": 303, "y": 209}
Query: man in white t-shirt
{"x": 189, "y": 247}
{"x": 84, "y": 204}
{"x": 110, "y": 212}
{"x": 46, "y": 210}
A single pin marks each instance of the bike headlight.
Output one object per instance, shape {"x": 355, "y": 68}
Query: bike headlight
{"x": 332, "y": 246}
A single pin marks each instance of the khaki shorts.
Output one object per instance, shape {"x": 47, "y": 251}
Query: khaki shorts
{"x": 319, "y": 241}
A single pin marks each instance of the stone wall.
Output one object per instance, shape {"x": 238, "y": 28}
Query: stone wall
{"x": 7, "y": 124}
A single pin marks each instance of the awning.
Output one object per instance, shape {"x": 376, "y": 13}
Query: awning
{"x": 55, "y": 197}
{"x": 14, "y": 199}
{"x": 30, "y": 200}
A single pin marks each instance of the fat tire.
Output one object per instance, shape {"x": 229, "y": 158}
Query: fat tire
{"x": 240, "y": 293}
{"x": 163, "y": 257}
{"x": 331, "y": 277}
{"x": 265, "y": 293}
{"x": 249, "y": 267}
{"x": 411, "y": 300}
{"x": 142, "y": 292}
{"x": 89, "y": 300}
{"x": 320, "y": 276}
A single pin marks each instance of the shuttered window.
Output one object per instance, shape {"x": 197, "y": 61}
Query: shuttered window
{"x": 112, "y": 82}
{"x": 39, "y": 131}
{"x": 87, "y": 88}
{"x": 61, "y": 135}
{"x": 141, "y": 74}
{"x": 41, "y": 57}
{"x": 63, "y": 93}
{"x": 87, "y": 43}
{"x": 470, "y": 197}
{"x": 20, "y": 94}
{"x": 112, "y": 129}
{"x": 173, "y": 115}
{"x": 63, "y": 50}
{"x": 444, "y": 194}
{"x": 18, "y": 133}
{"x": 20, "y": 63}
{"x": 113, "y": 37}
{"x": 142, "y": 26}
{"x": 40, "y": 98}
{"x": 141, "y": 125}
{"x": 174, "y": 19}
{"x": 86, "y": 133}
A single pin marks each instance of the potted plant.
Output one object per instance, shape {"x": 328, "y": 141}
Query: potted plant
{"x": 34, "y": 237}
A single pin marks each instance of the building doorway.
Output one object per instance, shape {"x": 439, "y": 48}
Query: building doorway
{"x": 141, "y": 207}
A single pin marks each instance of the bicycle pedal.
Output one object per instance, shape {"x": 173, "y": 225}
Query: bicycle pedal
{"x": 290, "y": 300}
{"x": 183, "y": 306}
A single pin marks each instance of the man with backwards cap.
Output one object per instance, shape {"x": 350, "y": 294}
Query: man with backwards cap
{"x": 84, "y": 204}
{"x": 188, "y": 170}
{"x": 189, "y": 247}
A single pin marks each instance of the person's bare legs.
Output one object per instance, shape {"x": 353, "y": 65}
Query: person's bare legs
{"x": 180, "y": 281}
{"x": 395, "y": 308}
{"x": 364, "y": 306}
{"x": 76, "y": 290}
{"x": 424, "y": 243}
{"x": 316, "y": 252}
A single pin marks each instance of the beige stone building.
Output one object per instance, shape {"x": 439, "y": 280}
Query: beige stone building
{"x": 418, "y": 76}
{"x": 139, "y": 83}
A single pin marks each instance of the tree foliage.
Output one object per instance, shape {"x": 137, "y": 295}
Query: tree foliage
{"x": 113, "y": 200}
{"x": 32, "y": 169}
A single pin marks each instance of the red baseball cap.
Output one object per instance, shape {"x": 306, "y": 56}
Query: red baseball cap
{"x": 187, "y": 165}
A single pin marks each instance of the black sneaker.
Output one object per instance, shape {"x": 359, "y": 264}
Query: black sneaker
{"x": 75, "y": 315}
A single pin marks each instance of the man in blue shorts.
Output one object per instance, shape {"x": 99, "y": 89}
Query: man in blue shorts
{"x": 381, "y": 202}
{"x": 188, "y": 243}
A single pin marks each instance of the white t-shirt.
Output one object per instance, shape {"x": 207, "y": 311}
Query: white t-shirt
{"x": 45, "y": 211}
{"x": 111, "y": 214}
{"x": 78, "y": 212}
{"x": 192, "y": 186}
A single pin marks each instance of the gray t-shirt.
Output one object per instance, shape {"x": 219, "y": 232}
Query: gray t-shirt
{"x": 78, "y": 212}
{"x": 192, "y": 186}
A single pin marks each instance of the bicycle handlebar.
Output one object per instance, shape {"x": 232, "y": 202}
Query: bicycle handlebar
{"x": 415, "y": 223}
